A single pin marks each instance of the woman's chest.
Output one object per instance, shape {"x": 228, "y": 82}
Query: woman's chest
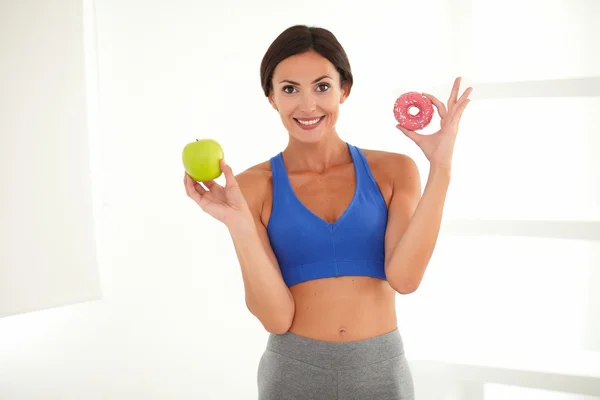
{"x": 328, "y": 195}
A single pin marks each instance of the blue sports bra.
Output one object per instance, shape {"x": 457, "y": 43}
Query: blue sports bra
{"x": 308, "y": 247}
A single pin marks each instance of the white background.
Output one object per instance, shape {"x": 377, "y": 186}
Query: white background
{"x": 113, "y": 90}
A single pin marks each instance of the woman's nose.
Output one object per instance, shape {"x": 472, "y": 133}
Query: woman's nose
{"x": 309, "y": 103}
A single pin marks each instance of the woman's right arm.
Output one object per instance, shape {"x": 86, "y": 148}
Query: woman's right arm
{"x": 238, "y": 205}
{"x": 267, "y": 296}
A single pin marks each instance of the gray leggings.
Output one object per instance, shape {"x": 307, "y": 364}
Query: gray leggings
{"x": 297, "y": 368}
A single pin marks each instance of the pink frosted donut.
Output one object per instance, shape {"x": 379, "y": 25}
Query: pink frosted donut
{"x": 405, "y": 118}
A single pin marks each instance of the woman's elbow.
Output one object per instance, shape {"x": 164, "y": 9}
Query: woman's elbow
{"x": 278, "y": 322}
{"x": 277, "y": 330}
{"x": 279, "y": 327}
{"x": 405, "y": 286}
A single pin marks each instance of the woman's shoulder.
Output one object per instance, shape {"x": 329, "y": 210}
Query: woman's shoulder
{"x": 256, "y": 172}
{"x": 390, "y": 163}
{"x": 255, "y": 184}
{"x": 393, "y": 172}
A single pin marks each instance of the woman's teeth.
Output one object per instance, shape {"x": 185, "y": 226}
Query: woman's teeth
{"x": 311, "y": 122}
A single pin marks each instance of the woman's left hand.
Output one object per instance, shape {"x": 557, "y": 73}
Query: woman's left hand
{"x": 438, "y": 147}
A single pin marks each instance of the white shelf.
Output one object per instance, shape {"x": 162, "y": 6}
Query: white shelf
{"x": 549, "y": 88}
{"x": 581, "y": 230}
{"x": 548, "y": 369}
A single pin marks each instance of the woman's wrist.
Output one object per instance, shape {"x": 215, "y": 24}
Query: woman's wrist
{"x": 440, "y": 171}
{"x": 242, "y": 225}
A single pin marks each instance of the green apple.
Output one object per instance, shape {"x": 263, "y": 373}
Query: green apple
{"x": 201, "y": 159}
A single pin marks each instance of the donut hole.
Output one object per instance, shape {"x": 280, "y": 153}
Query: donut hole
{"x": 412, "y": 110}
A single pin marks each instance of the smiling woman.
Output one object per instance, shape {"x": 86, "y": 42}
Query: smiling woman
{"x": 306, "y": 82}
{"x": 327, "y": 233}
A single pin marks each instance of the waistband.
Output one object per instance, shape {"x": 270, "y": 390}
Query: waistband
{"x": 337, "y": 355}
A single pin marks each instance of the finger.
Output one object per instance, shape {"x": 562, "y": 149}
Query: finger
{"x": 460, "y": 108}
{"x": 209, "y": 184}
{"x": 230, "y": 181}
{"x": 193, "y": 186}
{"x": 199, "y": 188}
{"x": 412, "y": 135}
{"x": 454, "y": 93}
{"x": 466, "y": 94}
{"x": 188, "y": 182}
{"x": 193, "y": 189}
{"x": 212, "y": 186}
{"x": 438, "y": 104}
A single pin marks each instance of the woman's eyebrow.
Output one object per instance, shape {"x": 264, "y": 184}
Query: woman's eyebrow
{"x": 315, "y": 81}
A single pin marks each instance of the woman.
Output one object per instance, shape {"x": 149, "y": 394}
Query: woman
{"x": 326, "y": 233}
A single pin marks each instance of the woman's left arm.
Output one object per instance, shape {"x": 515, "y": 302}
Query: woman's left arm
{"x": 413, "y": 225}
{"x": 414, "y": 221}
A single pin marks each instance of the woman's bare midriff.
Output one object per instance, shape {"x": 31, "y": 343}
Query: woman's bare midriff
{"x": 343, "y": 309}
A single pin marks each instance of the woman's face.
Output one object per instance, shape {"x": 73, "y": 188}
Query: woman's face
{"x": 307, "y": 94}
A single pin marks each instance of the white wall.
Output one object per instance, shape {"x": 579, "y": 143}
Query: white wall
{"x": 48, "y": 254}
{"x": 172, "y": 323}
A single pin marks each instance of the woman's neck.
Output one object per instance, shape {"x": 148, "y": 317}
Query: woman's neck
{"x": 329, "y": 151}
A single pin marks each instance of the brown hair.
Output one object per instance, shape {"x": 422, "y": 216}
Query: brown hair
{"x": 299, "y": 39}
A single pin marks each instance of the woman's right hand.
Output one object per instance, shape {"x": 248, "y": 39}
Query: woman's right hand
{"x": 226, "y": 204}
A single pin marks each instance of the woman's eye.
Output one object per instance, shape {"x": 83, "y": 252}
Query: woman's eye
{"x": 323, "y": 87}
{"x": 288, "y": 89}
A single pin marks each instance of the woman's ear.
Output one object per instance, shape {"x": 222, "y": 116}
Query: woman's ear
{"x": 272, "y": 101}
{"x": 345, "y": 92}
